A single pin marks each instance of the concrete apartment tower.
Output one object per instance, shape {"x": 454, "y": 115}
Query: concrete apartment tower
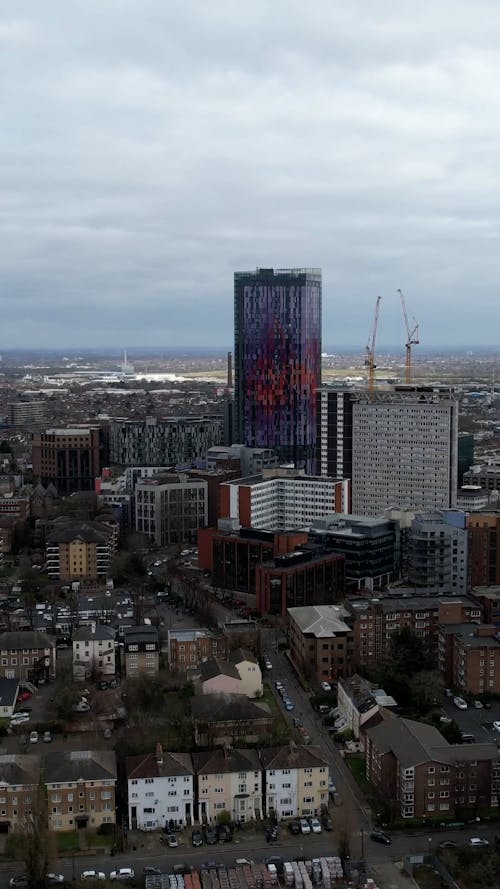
{"x": 277, "y": 361}
{"x": 399, "y": 447}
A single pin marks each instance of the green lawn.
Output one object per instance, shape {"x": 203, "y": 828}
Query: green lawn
{"x": 67, "y": 842}
{"x": 356, "y": 763}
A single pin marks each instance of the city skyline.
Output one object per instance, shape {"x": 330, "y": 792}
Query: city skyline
{"x": 150, "y": 150}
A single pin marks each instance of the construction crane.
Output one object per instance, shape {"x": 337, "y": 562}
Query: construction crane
{"x": 411, "y": 338}
{"x": 370, "y": 351}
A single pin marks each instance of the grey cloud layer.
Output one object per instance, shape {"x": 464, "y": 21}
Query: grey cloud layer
{"x": 149, "y": 148}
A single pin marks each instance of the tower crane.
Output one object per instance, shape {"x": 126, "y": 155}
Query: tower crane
{"x": 411, "y": 338}
{"x": 370, "y": 350}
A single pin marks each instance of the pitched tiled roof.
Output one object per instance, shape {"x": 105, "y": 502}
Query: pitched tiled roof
{"x": 242, "y": 654}
{"x": 219, "y": 761}
{"x": 293, "y": 756}
{"x": 19, "y": 639}
{"x": 166, "y": 765}
{"x": 213, "y": 667}
{"x": 76, "y": 765}
{"x": 227, "y": 708}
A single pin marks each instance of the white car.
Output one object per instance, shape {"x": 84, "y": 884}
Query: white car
{"x": 81, "y": 707}
{"x": 34, "y": 738}
{"x": 93, "y": 875}
{"x": 19, "y": 718}
{"x": 460, "y": 703}
{"x": 496, "y": 725}
{"x": 478, "y": 841}
{"x": 278, "y": 685}
{"x": 325, "y": 686}
{"x": 268, "y": 664}
{"x": 305, "y": 827}
{"x": 123, "y": 873}
{"x": 315, "y": 825}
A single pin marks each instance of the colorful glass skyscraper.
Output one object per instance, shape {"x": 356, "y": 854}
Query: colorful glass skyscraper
{"x": 277, "y": 361}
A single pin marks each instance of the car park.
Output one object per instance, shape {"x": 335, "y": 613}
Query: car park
{"x": 379, "y": 837}
{"x": 123, "y": 873}
{"x": 305, "y": 827}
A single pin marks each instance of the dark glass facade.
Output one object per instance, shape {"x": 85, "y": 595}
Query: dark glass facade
{"x": 277, "y": 361}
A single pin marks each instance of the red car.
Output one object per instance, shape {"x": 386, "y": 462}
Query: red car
{"x": 25, "y": 696}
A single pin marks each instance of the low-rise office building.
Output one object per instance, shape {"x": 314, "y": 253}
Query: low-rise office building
{"x": 321, "y": 642}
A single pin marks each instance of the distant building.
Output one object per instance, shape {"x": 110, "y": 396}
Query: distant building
{"x": 277, "y": 361}
{"x": 321, "y": 642}
{"x": 141, "y": 651}
{"x": 438, "y": 550}
{"x": 472, "y": 498}
{"x": 189, "y": 648}
{"x": 484, "y": 548}
{"x": 247, "y": 461}
{"x": 374, "y": 621}
{"x": 282, "y": 499}
{"x": 312, "y": 575}
{"x": 168, "y": 441}
{"x": 80, "y": 551}
{"x": 398, "y": 447}
{"x": 486, "y": 475}
{"x": 69, "y": 458}
{"x": 169, "y": 509}
{"x": 370, "y": 547}
{"x": 469, "y": 657}
{"x": 240, "y": 674}
{"x": 25, "y": 413}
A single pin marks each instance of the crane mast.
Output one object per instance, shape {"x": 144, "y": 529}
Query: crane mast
{"x": 411, "y": 337}
{"x": 370, "y": 350}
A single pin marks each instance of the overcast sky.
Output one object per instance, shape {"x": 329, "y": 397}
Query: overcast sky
{"x": 149, "y": 148}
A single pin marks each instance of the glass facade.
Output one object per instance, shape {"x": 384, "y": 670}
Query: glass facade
{"x": 277, "y": 317}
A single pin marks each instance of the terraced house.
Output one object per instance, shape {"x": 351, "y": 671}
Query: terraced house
{"x": 295, "y": 780}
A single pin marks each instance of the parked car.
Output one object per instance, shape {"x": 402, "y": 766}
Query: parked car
{"x": 123, "y": 873}
{"x": 496, "y": 725}
{"x": 223, "y": 833}
{"x": 478, "y": 842}
{"x": 305, "y": 827}
{"x": 289, "y": 705}
{"x": 278, "y": 685}
{"x": 151, "y": 871}
{"x": 19, "y": 881}
{"x": 315, "y": 825}
{"x": 378, "y": 837}
{"x": 54, "y": 879}
{"x": 327, "y": 822}
{"x": 196, "y": 838}
{"x": 268, "y": 664}
{"x": 448, "y": 844}
{"x": 272, "y": 834}
{"x": 93, "y": 875}
{"x": 33, "y": 737}
{"x": 24, "y": 696}
{"x": 460, "y": 703}
{"x": 102, "y": 685}
{"x": 478, "y": 705}
{"x": 210, "y": 836}
{"x": 294, "y": 827}
{"x": 47, "y": 737}
{"x": 81, "y": 707}
{"x": 172, "y": 842}
{"x": 325, "y": 686}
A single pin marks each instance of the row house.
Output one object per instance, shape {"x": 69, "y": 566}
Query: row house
{"x": 29, "y": 655}
{"x": 81, "y": 788}
{"x": 160, "y": 790}
{"x": 469, "y": 657}
{"x": 419, "y": 775}
{"x": 174, "y": 789}
{"x": 229, "y": 780}
{"x": 296, "y": 780}
{"x": 94, "y": 652}
{"x": 375, "y": 620}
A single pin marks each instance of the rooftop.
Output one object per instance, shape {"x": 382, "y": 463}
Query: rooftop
{"x": 320, "y": 621}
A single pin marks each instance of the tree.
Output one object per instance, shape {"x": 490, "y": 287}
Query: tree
{"x": 407, "y": 653}
{"x": 37, "y": 848}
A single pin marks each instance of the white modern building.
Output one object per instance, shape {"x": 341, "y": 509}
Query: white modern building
{"x": 160, "y": 789}
{"x": 169, "y": 509}
{"x": 399, "y": 447}
{"x": 281, "y": 499}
